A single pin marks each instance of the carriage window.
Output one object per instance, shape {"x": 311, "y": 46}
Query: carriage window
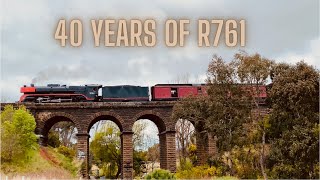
{"x": 174, "y": 92}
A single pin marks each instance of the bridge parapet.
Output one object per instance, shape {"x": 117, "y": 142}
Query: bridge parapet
{"x": 89, "y": 105}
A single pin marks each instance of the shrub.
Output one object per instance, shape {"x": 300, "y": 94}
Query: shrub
{"x": 18, "y": 140}
{"x": 53, "y": 139}
{"x": 68, "y": 152}
{"x": 199, "y": 172}
{"x": 185, "y": 164}
{"x": 160, "y": 174}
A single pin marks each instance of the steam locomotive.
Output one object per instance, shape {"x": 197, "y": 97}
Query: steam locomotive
{"x": 56, "y": 93}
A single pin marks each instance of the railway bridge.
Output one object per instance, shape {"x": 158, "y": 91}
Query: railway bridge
{"x": 124, "y": 114}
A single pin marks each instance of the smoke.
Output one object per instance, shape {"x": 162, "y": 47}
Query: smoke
{"x": 62, "y": 73}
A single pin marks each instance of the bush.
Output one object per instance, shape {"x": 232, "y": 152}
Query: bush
{"x": 199, "y": 172}
{"x": 160, "y": 174}
{"x": 139, "y": 158}
{"x": 68, "y": 152}
{"x": 18, "y": 140}
{"x": 53, "y": 139}
{"x": 185, "y": 164}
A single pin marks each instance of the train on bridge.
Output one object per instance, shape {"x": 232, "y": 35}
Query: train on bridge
{"x": 56, "y": 93}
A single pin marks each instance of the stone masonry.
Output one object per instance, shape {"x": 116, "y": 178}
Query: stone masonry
{"x": 124, "y": 114}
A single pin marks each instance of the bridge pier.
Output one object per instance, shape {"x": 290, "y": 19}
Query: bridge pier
{"x": 83, "y": 153}
{"x": 168, "y": 151}
{"x": 126, "y": 155}
{"x": 206, "y": 147}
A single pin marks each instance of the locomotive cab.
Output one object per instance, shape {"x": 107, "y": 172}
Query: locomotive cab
{"x": 92, "y": 91}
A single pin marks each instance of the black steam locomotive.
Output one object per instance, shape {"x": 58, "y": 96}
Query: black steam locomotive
{"x": 86, "y": 93}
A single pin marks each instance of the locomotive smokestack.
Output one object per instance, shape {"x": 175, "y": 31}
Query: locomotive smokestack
{"x": 32, "y": 85}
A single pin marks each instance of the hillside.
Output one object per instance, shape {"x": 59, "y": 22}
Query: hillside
{"x": 45, "y": 163}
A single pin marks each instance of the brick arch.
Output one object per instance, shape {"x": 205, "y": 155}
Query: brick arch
{"x": 106, "y": 115}
{"x": 48, "y": 120}
{"x": 153, "y": 116}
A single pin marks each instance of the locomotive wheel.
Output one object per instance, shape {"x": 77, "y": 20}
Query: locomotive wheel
{"x": 78, "y": 99}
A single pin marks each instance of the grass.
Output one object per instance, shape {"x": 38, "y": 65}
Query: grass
{"x": 35, "y": 164}
{"x": 64, "y": 162}
{"x": 44, "y": 163}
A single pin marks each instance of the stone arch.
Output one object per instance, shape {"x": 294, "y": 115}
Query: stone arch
{"x": 153, "y": 116}
{"x": 48, "y": 120}
{"x": 106, "y": 115}
{"x": 166, "y": 138}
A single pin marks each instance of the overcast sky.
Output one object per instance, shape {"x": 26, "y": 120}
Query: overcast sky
{"x": 286, "y": 30}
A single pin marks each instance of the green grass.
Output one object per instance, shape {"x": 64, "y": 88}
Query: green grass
{"x": 64, "y": 162}
{"x": 37, "y": 166}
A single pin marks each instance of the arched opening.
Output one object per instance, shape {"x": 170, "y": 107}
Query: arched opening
{"x": 59, "y": 144}
{"x": 185, "y": 144}
{"x": 146, "y": 149}
{"x": 59, "y": 131}
{"x": 146, "y": 144}
{"x": 105, "y": 117}
{"x": 105, "y": 147}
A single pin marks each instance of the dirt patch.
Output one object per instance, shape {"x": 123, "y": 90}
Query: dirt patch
{"x": 47, "y": 156}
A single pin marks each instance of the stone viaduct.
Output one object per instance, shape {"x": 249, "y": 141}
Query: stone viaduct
{"x": 124, "y": 114}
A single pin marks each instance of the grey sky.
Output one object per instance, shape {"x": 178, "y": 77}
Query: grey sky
{"x": 286, "y": 30}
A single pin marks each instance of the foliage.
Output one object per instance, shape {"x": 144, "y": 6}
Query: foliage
{"x": 139, "y": 159}
{"x": 153, "y": 155}
{"x": 225, "y": 178}
{"x": 229, "y": 104}
{"x": 106, "y": 152}
{"x": 53, "y": 139}
{"x": 160, "y": 174}
{"x": 184, "y": 136}
{"x": 18, "y": 140}
{"x": 185, "y": 164}
{"x": 252, "y": 69}
{"x": 192, "y": 149}
{"x": 105, "y": 148}
{"x": 198, "y": 172}
{"x": 66, "y": 132}
{"x": 66, "y": 151}
{"x": 137, "y": 128}
{"x": 64, "y": 161}
{"x": 245, "y": 161}
{"x": 50, "y": 165}
{"x": 294, "y": 122}
{"x": 283, "y": 144}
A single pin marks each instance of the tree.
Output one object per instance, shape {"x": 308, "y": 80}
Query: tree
{"x": 153, "y": 155}
{"x": 139, "y": 162}
{"x": 18, "y": 139}
{"x": 137, "y": 138}
{"x": 229, "y": 104}
{"x": 184, "y": 134}
{"x": 294, "y": 122}
{"x": 53, "y": 139}
{"x": 184, "y": 128}
{"x": 105, "y": 148}
{"x": 66, "y": 132}
{"x": 253, "y": 71}
{"x": 224, "y": 110}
